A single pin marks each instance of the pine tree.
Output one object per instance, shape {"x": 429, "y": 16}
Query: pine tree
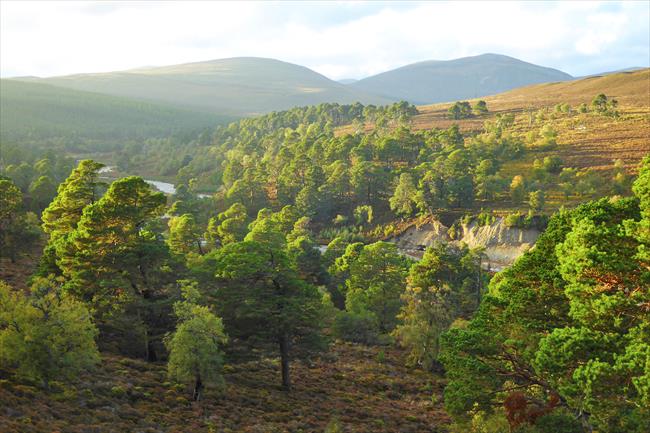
{"x": 567, "y": 324}
{"x": 376, "y": 283}
{"x": 261, "y": 297}
{"x": 18, "y": 229}
{"x": 403, "y": 200}
{"x": 114, "y": 262}
{"x": 229, "y": 226}
{"x": 195, "y": 346}
{"x": 184, "y": 235}
{"x": 439, "y": 288}
{"x": 62, "y": 215}
{"x": 73, "y": 195}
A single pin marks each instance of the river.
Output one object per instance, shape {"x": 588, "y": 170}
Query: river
{"x": 164, "y": 187}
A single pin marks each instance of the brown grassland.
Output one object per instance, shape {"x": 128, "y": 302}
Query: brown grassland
{"x": 585, "y": 140}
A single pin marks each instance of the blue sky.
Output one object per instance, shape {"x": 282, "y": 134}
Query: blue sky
{"x": 340, "y": 40}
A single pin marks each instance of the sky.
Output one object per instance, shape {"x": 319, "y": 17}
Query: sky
{"x": 339, "y": 40}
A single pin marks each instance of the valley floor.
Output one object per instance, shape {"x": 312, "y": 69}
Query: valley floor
{"x": 358, "y": 388}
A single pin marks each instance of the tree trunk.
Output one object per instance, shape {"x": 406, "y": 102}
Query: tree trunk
{"x": 198, "y": 388}
{"x": 151, "y": 351}
{"x": 479, "y": 284}
{"x": 284, "y": 359}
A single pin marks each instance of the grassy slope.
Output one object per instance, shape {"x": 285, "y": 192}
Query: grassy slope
{"x": 126, "y": 395}
{"x": 34, "y": 110}
{"x": 237, "y": 86}
{"x": 631, "y": 89}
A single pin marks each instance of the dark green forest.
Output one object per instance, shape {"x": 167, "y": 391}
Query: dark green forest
{"x": 76, "y": 121}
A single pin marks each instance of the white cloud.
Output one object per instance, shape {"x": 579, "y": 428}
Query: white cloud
{"x": 338, "y": 40}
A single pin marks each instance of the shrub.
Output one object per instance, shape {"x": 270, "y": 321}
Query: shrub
{"x": 552, "y": 164}
{"x": 548, "y": 138}
{"x": 485, "y": 219}
{"x": 480, "y": 108}
{"x": 518, "y": 189}
{"x": 482, "y": 422}
{"x": 513, "y": 220}
{"x": 363, "y": 214}
{"x": 33, "y": 329}
{"x": 460, "y": 110}
{"x": 558, "y": 421}
{"x": 339, "y": 220}
{"x": 118, "y": 391}
{"x": 334, "y": 426}
{"x": 537, "y": 200}
{"x": 454, "y": 231}
{"x": 467, "y": 219}
{"x": 601, "y": 104}
{"x": 357, "y": 327}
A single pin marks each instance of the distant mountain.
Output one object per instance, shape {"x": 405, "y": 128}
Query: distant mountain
{"x": 236, "y": 86}
{"x": 601, "y": 74}
{"x": 469, "y": 77}
{"x": 347, "y": 80}
{"x": 31, "y": 110}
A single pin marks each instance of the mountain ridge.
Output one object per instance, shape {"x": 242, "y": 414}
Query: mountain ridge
{"x": 433, "y": 81}
{"x": 232, "y": 86}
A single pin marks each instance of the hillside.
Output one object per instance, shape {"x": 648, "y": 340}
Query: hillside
{"x": 235, "y": 86}
{"x": 352, "y": 384}
{"x": 469, "y": 77}
{"x": 185, "y": 271}
{"x": 586, "y": 140}
{"x": 31, "y": 110}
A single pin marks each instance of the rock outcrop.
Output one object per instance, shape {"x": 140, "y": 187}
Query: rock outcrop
{"x": 503, "y": 244}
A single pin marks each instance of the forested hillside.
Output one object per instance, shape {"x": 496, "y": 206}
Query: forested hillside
{"x": 116, "y": 284}
{"x": 266, "y": 294}
{"x": 417, "y": 161}
{"x": 31, "y": 112}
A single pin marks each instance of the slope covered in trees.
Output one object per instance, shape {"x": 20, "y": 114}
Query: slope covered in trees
{"x": 326, "y": 161}
{"x": 585, "y": 140}
{"x": 564, "y": 332}
{"x": 557, "y": 343}
{"x": 34, "y": 112}
{"x": 234, "y": 301}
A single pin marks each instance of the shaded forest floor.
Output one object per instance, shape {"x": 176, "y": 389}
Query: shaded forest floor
{"x": 17, "y": 274}
{"x": 365, "y": 389}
